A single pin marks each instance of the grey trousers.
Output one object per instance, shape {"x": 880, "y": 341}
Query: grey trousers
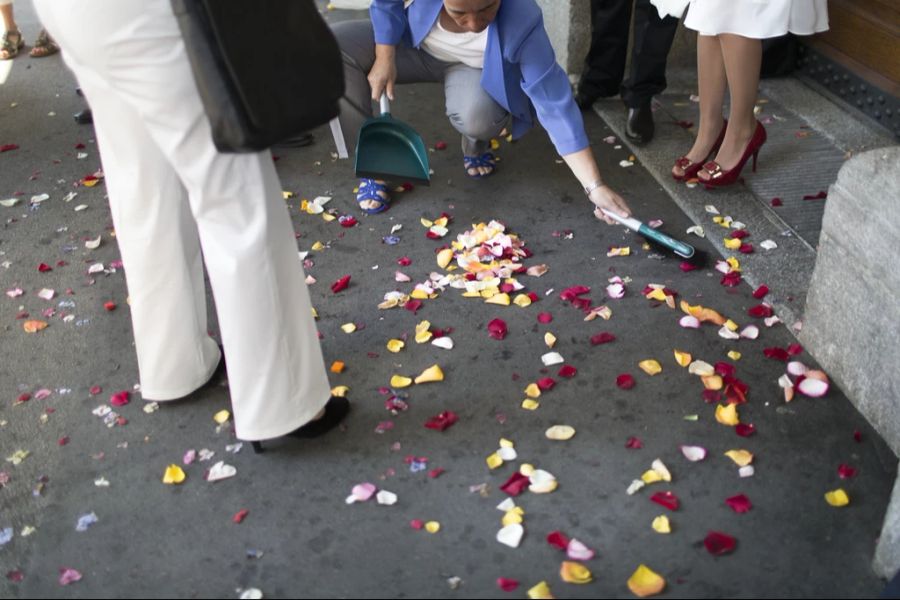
{"x": 472, "y": 112}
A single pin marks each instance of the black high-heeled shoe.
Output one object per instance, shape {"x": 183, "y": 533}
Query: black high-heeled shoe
{"x": 335, "y": 410}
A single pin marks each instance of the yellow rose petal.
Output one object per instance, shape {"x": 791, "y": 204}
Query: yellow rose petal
{"x": 418, "y": 294}
{"x": 644, "y": 582}
{"x": 541, "y": 592}
{"x": 493, "y": 461}
{"x": 522, "y": 300}
{"x": 444, "y": 257}
{"x": 529, "y": 404}
{"x": 651, "y": 476}
{"x": 549, "y": 339}
{"x": 732, "y": 243}
{"x": 505, "y": 443}
{"x": 423, "y": 336}
{"x": 426, "y": 222}
{"x": 328, "y": 217}
{"x": 338, "y": 366}
{"x": 731, "y": 325}
{"x": 318, "y": 246}
{"x": 526, "y": 469}
{"x": 399, "y": 381}
{"x": 432, "y": 526}
{"x": 512, "y": 517}
{"x": 734, "y": 355}
{"x": 837, "y": 498}
{"x": 682, "y": 358}
{"x": 712, "y": 382}
{"x": 741, "y": 458}
{"x": 173, "y": 475}
{"x": 656, "y": 294}
{"x": 573, "y": 572}
{"x": 533, "y": 391}
{"x": 650, "y": 366}
{"x": 502, "y": 299}
{"x": 340, "y": 391}
{"x": 395, "y": 345}
{"x": 432, "y": 373}
{"x": 560, "y": 432}
{"x": 315, "y": 313}
{"x": 441, "y": 221}
{"x": 661, "y": 524}
{"x": 733, "y": 262}
{"x": 221, "y": 417}
{"x": 727, "y": 415}
{"x": 348, "y": 327}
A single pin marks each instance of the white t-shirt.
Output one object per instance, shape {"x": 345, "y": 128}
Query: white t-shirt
{"x": 466, "y": 47}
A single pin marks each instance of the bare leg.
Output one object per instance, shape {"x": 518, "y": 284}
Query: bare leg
{"x": 743, "y": 58}
{"x": 9, "y": 21}
{"x": 711, "y": 80}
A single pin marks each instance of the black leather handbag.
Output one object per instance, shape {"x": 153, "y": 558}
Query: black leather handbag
{"x": 267, "y": 70}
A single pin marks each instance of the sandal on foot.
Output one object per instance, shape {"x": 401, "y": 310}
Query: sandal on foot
{"x": 11, "y": 44}
{"x": 43, "y": 46}
{"x": 487, "y": 160}
{"x": 370, "y": 189}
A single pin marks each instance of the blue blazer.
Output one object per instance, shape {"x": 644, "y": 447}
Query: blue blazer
{"x": 520, "y": 68}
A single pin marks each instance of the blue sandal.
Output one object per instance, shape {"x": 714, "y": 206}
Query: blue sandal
{"x": 369, "y": 189}
{"x": 485, "y": 160}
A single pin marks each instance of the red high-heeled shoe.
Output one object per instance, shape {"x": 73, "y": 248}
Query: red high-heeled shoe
{"x": 719, "y": 177}
{"x": 691, "y": 169}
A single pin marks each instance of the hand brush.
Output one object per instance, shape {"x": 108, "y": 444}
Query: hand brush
{"x": 682, "y": 249}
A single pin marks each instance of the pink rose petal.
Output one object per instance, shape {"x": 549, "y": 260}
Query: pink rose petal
{"x": 68, "y": 576}
{"x": 578, "y": 551}
{"x": 120, "y": 398}
{"x": 544, "y": 317}
{"x": 814, "y": 388}
{"x": 694, "y": 453}
{"x": 363, "y": 491}
{"x": 689, "y": 322}
{"x": 634, "y": 443}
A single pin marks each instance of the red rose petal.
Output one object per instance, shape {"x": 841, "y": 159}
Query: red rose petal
{"x": 820, "y": 196}
{"x": 846, "y": 472}
{"x": 44, "y": 268}
{"x": 63, "y": 440}
{"x": 582, "y": 304}
{"x": 667, "y": 499}
{"x": 558, "y": 540}
{"x": 857, "y": 436}
{"x": 347, "y": 221}
{"x": 777, "y": 202}
{"x": 776, "y": 353}
{"x": 718, "y": 543}
{"x": 442, "y": 145}
{"x": 573, "y": 292}
{"x": 120, "y": 398}
{"x": 442, "y": 421}
{"x": 746, "y": 249}
{"x": 413, "y": 306}
{"x": 625, "y": 381}
{"x": 760, "y": 311}
{"x": 567, "y": 371}
{"x": 795, "y": 349}
{"x": 435, "y": 473}
{"x": 739, "y": 234}
{"x": 507, "y": 585}
{"x": 404, "y": 261}
{"x": 15, "y": 576}
{"x": 546, "y": 383}
{"x": 687, "y": 266}
{"x": 544, "y": 317}
{"x": 712, "y": 396}
{"x": 634, "y": 443}
{"x": 497, "y": 329}
{"x": 731, "y": 279}
{"x": 507, "y": 288}
{"x": 417, "y": 523}
{"x": 725, "y": 369}
{"x": 760, "y": 292}
{"x": 8, "y": 147}
{"x": 96, "y": 390}
{"x": 533, "y": 297}
{"x": 602, "y": 338}
{"x": 240, "y": 515}
{"x": 341, "y": 284}
{"x": 745, "y": 429}
{"x": 516, "y": 484}
{"x": 109, "y": 306}
{"x": 739, "y": 504}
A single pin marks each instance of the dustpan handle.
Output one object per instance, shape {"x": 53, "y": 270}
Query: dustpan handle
{"x": 385, "y": 104}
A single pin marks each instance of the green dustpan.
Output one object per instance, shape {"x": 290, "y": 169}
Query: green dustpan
{"x": 390, "y": 149}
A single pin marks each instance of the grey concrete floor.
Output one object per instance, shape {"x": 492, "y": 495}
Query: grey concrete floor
{"x": 299, "y": 537}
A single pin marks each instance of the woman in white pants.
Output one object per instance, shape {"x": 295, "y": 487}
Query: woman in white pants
{"x": 178, "y": 203}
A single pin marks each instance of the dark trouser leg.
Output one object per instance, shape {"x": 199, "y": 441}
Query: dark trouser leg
{"x": 605, "y": 63}
{"x": 652, "y": 40}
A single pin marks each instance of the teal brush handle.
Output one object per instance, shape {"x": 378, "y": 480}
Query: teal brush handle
{"x": 680, "y": 248}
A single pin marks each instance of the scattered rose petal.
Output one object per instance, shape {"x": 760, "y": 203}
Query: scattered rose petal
{"x": 173, "y": 475}
{"x": 552, "y": 358}
{"x": 666, "y": 499}
{"x": 814, "y": 388}
{"x": 625, "y": 381}
{"x": 741, "y": 458}
{"x": 727, "y": 415}
{"x": 750, "y": 332}
{"x": 560, "y": 432}
{"x": 634, "y": 443}
{"x": 68, "y": 576}
{"x": 541, "y": 592}
{"x": 511, "y": 535}
{"x": 544, "y": 317}
{"x": 442, "y": 421}
{"x": 650, "y": 366}
{"x": 602, "y": 338}
{"x": 837, "y": 498}
{"x": 507, "y": 585}
{"x": 516, "y": 484}
{"x": 120, "y": 398}
{"x": 567, "y": 371}
{"x": 341, "y": 284}
{"x": 431, "y": 374}
{"x": 573, "y": 572}
{"x": 739, "y": 504}
{"x": 693, "y": 453}
{"x": 718, "y": 543}
{"x": 578, "y": 551}
{"x": 644, "y": 582}
{"x": 689, "y": 322}
{"x": 220, "y": 471}
{"x": 497, "y": 329}
{"x": 745, "y": 429}
{"x": 661, "y": 524}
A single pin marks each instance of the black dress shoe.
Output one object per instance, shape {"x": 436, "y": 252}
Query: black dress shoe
{"x": 335, "y": 410}
{"x": 84, "y": 117}
{"x": 299, "y": 141}
{"x": 639, "y": 128}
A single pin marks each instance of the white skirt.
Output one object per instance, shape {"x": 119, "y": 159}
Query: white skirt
{"x": 758, "y": 19}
